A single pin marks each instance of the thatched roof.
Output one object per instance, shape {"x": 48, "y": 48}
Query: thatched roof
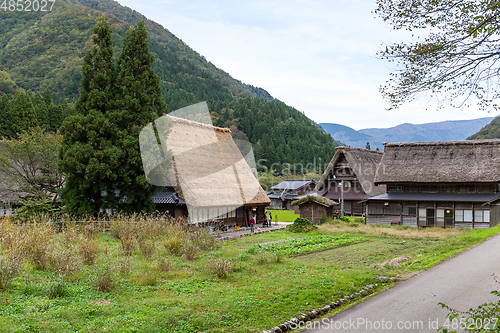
{"x": 314, "y": 198}
{"x": 471, "y": 161}
{"x": 363, "y": 163}
{"x": 209, "y": 168}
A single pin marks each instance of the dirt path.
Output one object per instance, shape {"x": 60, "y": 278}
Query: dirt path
{"x": 462, "y": 283}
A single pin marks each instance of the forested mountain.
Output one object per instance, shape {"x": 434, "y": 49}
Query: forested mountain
{"x": 490, "y": 131}
{"x": 44, "y": 51}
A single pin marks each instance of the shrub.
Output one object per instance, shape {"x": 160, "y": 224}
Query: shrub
{"x": 10, "y": 267}
{"x": 302, "y": 225}
{"x": 325, "y": 219}
{"x": 221, "y": 267}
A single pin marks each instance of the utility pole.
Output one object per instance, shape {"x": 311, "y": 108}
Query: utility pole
{"x": 341, "y": 198}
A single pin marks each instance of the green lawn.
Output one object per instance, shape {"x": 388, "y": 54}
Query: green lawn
{"x": 265, "y": 287}
{"x": 284, "y": 215}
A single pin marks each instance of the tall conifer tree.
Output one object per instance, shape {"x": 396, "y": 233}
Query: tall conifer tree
{"x": 88, "y": 155}
{"x": 142, "y": 103}
{"x": 22, "y": 113}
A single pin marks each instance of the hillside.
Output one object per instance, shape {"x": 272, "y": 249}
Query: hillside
{"x": 44, "y": 51}
{"x": 438, "y": 131}
{"x": 490, "y": 131}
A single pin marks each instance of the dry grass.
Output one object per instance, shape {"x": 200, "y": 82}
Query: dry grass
{"x": 10, "y": 267}
{"x": 221, "y": 267}
{"x": 89, "y": 250}
{"x": 396, "y": 231}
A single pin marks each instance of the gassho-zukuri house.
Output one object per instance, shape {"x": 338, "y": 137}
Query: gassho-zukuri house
{"x": 444, "y": 184}
{"x": 210, "y": 180}
{"x": 350, "y": 175}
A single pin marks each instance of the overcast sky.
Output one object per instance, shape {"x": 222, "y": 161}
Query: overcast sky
{"x": 317, "y": 56}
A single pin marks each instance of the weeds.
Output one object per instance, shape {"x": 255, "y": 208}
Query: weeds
{"x": 104, "y": 278}
{"x": 221, "y": 267}
{"x": 10, "y": 267}
{"x": 164, "y": 265}
{"x": 190, "y": 252}
{"x": 40, "y": 237}
{"x": 89, "y": 250}
{"x": 57, "y": 289}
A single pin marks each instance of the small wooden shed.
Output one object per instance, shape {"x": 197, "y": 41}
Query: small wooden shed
{"x": 313, "y": 207}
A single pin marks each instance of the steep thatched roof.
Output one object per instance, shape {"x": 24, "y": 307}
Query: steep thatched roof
{"x": 471, "y": 161}
{"x": 209, "y": 168}
{"x": 363, "y": 163}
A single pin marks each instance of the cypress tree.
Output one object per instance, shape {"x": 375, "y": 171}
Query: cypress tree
{"x": 142, "y": 103}
{"x": 88, "y": 155}
{"x": 22, "y": 112}
{"x": 5, "y": 117}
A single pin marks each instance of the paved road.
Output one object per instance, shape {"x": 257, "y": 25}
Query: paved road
{"x": 412, "y": 306}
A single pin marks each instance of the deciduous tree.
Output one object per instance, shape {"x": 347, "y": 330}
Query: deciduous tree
{"x": 454, "y": 56}
{"x": 28, "y": 164}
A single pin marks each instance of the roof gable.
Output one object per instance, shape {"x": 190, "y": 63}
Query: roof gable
{"x": 209, "y": 169}
{"x": 471, "y": 161}
{"x": 363, "y": 163}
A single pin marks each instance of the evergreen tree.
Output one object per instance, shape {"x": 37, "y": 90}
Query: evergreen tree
{"x": 22, "y": 113}
{"x": 142, "y": 104}
{"x": 5, "y": 117}
{"x": 88, "y": 155}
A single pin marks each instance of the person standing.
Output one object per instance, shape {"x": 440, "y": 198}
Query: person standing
{"x": 252, "y": 224}
{"x": 270, "y": 219}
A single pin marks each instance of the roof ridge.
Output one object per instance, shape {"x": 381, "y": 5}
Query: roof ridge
{"x": 443, "y": 143}
{"x": 198, "y": 124}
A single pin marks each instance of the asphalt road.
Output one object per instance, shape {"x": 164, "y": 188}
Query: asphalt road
{"x": 462, "y": 283}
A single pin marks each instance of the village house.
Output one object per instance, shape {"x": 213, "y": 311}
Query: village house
{"x": 284, "y": 193}
{"x": 444, "y": 184}
{"x": 313, "y": 207}
{"x": 210, "y": 181}
{"x": 349, "y": 177}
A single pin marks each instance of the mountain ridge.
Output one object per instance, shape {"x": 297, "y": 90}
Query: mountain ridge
{"x": 448, "y": 130}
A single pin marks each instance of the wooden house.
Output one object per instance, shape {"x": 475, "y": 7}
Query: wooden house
{"x": 443, "y": 184}
{"x": 284, "y": 193}
{"x": 210, "y": 179}
{"x": 350, "y": 176}
{"x": 313, "y": 207}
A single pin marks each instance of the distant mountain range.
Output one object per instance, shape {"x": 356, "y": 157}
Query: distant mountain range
{"x": 439, "y": 131}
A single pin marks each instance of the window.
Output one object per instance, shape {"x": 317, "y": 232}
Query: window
{"x": 410, "y": 211}
{"x": 440, "y": 217}
{"x": 482, "y": 216}
{"x": 395, "y": 188}
{"x": 463, "y": 215}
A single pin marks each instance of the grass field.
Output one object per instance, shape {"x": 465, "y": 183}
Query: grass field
{"x": 190, "y": 284}
{"x": 284, "y": 215}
